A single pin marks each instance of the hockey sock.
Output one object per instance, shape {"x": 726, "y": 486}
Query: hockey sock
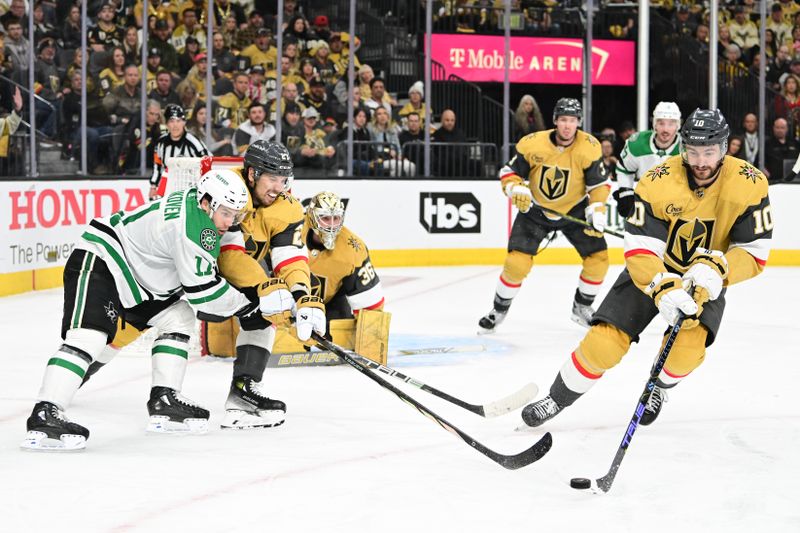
{"x": 572, "y": 381}
{"x": 66, "y": 369}
{"x": 252, "y": 352}
{"x": 170, "y": 357}
{"x": 583, "y": 298}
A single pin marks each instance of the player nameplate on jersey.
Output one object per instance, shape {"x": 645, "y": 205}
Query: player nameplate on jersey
{"x": 553, "y": 182}
{"x": 684, "y": 239}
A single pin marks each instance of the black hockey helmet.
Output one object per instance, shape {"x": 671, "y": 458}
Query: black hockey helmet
{"x": 174, "y": 111}
{"x": 569, "y": 107}
{"x": 267, "y": 157}
{"x": 705, "y": 127}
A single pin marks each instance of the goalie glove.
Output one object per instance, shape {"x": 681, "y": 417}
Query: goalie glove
{"x": 596, "y": 218}
{"x": 520, "y": 195}
{"x": 671, "y": 299}
{"x": 310, "y": 317}
{"x": 275, "y": 301}
{"x": 624, "y": 198}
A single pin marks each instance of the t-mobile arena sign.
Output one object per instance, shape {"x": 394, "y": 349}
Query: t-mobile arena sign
{"x": 534, "y": 59}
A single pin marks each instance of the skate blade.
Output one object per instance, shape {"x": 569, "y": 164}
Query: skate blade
{"x": 40, "y": 442}
{"x": 236, "y": 419}
{"x": 190, "y": 426}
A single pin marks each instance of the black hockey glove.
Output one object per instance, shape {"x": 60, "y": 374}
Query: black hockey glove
{"x": 624, "y": 198}
{"x": 250, "y": 317}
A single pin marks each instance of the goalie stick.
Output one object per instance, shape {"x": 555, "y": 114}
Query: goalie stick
{"x": 604, "y": 483}
{"x": 511, "y": 462}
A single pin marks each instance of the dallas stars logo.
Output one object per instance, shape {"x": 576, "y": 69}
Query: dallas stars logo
{"x": 208, "y": 239}
{"x": 352, "y": 241}
{"x": 111, "y": 313}
{"x": 749, "y": 172}
{"x": 658, "y": 172}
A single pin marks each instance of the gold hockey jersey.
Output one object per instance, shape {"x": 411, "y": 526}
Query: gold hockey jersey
{"x": 559, "y": 177}
{"x": 271, "y": 234}
{"x": 346, "y": 268}
{"x": 672, "y": 219}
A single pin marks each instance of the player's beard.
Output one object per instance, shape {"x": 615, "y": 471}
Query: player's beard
{"x": 563, "y": 141}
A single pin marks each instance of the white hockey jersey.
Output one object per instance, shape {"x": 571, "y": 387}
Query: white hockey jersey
{"x": 163, "y": 248}
{"x": 639, "y": 155}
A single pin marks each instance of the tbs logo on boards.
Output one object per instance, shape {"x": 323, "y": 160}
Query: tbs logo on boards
{"x": 449, "y": 212}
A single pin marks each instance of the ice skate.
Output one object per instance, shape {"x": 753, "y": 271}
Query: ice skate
{"x": 172, "y": 413}
{"x": 582, "y": 314}
{"x": 490, "y": 321}
{"x": 653, "y": 406}
{"x": 248, "y": 407}
{"x": 537, "y": 413}
{"x": 50, "y": 430}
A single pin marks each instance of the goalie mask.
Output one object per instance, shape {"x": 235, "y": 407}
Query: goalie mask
{"x": 225, "y": 190}
{"x": 325, "y": 217}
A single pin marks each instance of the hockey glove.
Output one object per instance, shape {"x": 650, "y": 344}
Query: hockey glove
{"x": 670, "y": 298}
{"x": 596, "y": 217}
{"x": 624, "y": 198}
{"x": 520, "y": 195}
{"x": 310, "y": 316}
{"x": 276, "y": 302}
{"x": 706, "y": 276}
{"x": 250, "y": 317}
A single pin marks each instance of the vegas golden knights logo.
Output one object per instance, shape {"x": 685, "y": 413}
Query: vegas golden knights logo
{"x": 553, "y": 182}
{"x": 318, "y": 285}
{"x": 686, "y": 237}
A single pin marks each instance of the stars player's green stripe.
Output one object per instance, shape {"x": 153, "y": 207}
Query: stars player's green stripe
{"x": 170, "y": 349}
{"x": 222, "y": 290}
{"x": 82, "y": 287}
{"x": 136, "y": 216}
{"x": 137, "y": 296}
{"x": 57, "y": 361}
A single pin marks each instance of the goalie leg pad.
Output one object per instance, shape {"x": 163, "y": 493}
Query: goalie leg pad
{"x": 221, "y": 337}
{"x": 372, "y": 335}
{"x": 688, "y": 353}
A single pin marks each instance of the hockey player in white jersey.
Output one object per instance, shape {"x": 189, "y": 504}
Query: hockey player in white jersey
{"x": 136, "y": 266}
{"x": 644, "y": 150}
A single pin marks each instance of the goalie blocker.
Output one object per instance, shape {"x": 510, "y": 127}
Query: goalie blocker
{"x": 367, "y": 335}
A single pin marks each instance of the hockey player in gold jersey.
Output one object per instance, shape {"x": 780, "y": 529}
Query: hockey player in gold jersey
{"x": 701, "y": 222}
{"x": 343, "y": 276}
{"x": 562, "y": 170}
{"x": 270, "y": 233}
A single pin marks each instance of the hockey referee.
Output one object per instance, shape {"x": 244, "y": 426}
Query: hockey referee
{"x": 177, "y": 142}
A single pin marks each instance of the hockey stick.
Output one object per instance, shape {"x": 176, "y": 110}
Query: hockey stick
{"x": 576, "y": 220}
{"x": 604, "y": 483}
{"x": 489, "y": 410}
{"x": 512, "y": 462}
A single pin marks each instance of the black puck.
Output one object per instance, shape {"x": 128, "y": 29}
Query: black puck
{"x": 580, "y": 483}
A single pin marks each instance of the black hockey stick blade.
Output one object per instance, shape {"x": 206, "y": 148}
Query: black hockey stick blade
{"x": 511, "y": 462}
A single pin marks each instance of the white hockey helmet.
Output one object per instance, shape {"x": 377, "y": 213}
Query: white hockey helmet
{"x": 224, "y": 187}
{"x": 667, "y": 110}
{"x": 325, "y": 217}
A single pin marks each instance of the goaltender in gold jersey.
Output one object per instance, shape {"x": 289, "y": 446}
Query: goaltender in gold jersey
{"x": 701, "y": 222}
{"x": 560, "y": 170}
{"x": 342, "y": 275}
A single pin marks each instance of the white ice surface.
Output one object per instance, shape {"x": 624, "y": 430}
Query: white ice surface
{"x": 351, "y": 457}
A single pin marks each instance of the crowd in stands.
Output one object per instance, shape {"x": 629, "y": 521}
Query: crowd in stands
{"x": 314, "y": 93}
{"x": 313, "y": 97}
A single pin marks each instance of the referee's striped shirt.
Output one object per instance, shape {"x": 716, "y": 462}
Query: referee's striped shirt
{"x": 166, "y": 148}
